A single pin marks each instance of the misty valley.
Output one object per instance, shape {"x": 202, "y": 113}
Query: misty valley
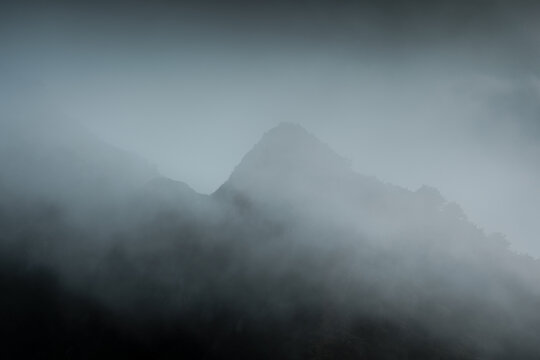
{"x": 295, "y": 256}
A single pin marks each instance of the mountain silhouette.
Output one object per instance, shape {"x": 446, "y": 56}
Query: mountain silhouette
{"x": 289, "y": 169}
{"x": 292, "y": 173}
{"x": 284, "y": 154}
{"x": 295, "y": 256}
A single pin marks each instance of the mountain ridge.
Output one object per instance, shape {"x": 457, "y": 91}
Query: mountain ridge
{"x": 293, "y": 257}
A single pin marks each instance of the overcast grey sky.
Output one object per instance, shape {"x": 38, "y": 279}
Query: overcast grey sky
{"x": 419, "y": 92}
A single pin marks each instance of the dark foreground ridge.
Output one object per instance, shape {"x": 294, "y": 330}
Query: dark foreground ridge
{"x": 294, "y": 257}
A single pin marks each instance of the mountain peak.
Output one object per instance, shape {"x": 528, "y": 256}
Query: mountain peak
{"x": 287, "y": 154}
{"x": 287, "y": 130}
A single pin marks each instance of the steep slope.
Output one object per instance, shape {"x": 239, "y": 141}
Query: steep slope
{"x": 287, "y": 161}
{"x": 291, "y": 172}
{"x": 60, "y": 161}
{"x": 295, "y": 174}
{"x": 287, "y": 154}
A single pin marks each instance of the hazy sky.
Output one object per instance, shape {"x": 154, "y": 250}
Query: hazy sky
{"x": 413, "y": 92}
